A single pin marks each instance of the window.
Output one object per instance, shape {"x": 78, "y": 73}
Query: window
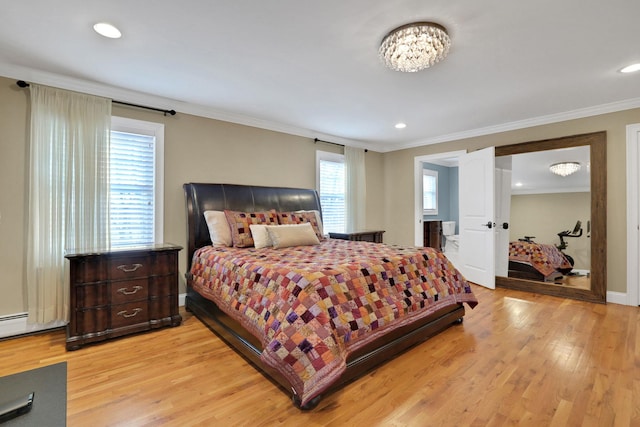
{"x": 430, "y": 192}
{"x": 136, "y": 184}
{"x": 330, "y": 174}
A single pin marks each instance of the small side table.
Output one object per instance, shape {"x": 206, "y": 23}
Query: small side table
{"x": 365, "y": 236}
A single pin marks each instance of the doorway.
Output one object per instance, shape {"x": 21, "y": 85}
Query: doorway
{"x": 475, "y": 256}
{"x": 450, "y": 159}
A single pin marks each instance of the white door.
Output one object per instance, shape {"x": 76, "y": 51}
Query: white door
{"x": 503, "y": 213}
{"x": 477, "y": 241}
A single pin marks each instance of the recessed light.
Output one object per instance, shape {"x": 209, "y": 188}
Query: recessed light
{"x": 631, "y": 68}
{"x": 401, "y": 125}
{"x": 518, "y": 184}
{"x": 107, "y": 30}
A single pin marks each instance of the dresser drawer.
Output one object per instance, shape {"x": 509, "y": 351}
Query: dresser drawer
{"x": 129, "y": 290}
{"x": 161, "y": 307}
{"x": 162, "y": 285}
{"x": 129, "y": 314}
{"x": 165, "y": 263}
{"x": 88, "y": 269}
{"x": 121, "y": 268}
{"x": 88, "y": 295}
{"x": 89, "y": 320}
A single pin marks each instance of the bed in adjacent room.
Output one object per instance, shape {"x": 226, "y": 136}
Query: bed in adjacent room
{"x": 312, "y": 313}
{"x": 537, "y": 261}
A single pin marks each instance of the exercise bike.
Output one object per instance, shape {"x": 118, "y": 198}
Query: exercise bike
{"x": 576, "y": 232}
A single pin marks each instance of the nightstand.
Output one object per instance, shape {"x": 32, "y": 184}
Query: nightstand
{"x": 122, "y": 291}
{"x": 365, "y": 235}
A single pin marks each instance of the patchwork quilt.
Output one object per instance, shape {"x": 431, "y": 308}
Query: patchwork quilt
{"x": 546, "y": 259}
{"x": 312, "y": 305}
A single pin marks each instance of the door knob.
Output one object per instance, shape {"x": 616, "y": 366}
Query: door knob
{"x": 505, "y": 225}
{"x": 489, "y": 224}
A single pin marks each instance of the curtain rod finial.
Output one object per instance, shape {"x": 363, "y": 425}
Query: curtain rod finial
{"x": 22, "y": 83}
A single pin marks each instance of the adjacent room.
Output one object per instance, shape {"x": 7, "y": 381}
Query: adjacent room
{"x": 357, "y": 213}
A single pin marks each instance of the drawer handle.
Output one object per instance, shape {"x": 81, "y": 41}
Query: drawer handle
{"x": 124, "y": 291}
{"x": 128, "y": 269}
{"x": 124, "y": 313}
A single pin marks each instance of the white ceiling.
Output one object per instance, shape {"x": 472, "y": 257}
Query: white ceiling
{"x": 312, "y": 68}
{"x": 531, "y": 170}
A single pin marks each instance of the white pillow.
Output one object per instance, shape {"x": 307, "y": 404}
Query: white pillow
{"x": 283, "y": 236}
{"x": 219, "y": 230}
{"x": 260, "y": 236}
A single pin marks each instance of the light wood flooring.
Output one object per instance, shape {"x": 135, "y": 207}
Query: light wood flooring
{"x": 518, "y": 359}
{"x": 580, "y": 282}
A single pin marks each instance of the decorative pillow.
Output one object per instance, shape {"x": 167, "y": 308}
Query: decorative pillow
{"x": 284, "y": 236}
{"x": 260, "y": 235}
{"x": 219, "y": 230}
{"x": 299, "y": 217}
{"x": 239, "y": 223}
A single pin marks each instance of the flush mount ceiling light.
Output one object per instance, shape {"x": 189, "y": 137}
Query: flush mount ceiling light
{"x": 414, "y": 47}
{"x": 565, "y": 168}
{"x": 400, "y": 125}
{"x": 107, "y": 30}
{"x": 631, "y": 68}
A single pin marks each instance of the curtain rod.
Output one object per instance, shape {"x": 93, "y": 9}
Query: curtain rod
{"x": 23, "y": 84}
{"x": 316, "y": 140}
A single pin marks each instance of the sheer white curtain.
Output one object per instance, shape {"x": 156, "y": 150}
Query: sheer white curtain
{"x": 356, "y": 188}
{"x": 68, "y": 192}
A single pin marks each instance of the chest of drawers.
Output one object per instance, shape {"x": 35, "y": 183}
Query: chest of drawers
{"x": 120, "y": 292}
{"x": 364, "y": 236}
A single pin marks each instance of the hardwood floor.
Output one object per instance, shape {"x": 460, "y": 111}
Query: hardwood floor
{"x": 518, "y": 359}
{"x": 580, "y": 282}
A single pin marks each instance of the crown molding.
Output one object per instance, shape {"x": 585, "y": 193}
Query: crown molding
{"x": 125, "y": 95}
{"x": 521, "y": 124}
{"x": 134, "y": 97}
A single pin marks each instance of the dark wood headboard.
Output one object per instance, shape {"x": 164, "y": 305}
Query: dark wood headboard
{"x": 201, "y": 197}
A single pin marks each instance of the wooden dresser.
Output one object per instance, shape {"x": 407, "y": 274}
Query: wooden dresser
{"x": 364, "y": 236}
{"x": 433, "y": 234}
{"x": 120, "y": 292}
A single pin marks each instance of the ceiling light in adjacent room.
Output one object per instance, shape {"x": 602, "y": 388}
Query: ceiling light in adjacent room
{"x": 414, "y": 47}
{"x": 631, "y": 68}
{"x": 107, "y": 30}
{"x": 400, "y": 125}
{"x": 565, "y": 168}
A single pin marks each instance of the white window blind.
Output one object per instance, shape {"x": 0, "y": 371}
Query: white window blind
{"x": 132, "y": 173}
{"x": 430, "y": 192}
{"x": 331, "y": 188}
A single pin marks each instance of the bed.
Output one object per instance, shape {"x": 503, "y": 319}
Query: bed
{"x": 309, "y": 321}
{"x": 536, "y": 261}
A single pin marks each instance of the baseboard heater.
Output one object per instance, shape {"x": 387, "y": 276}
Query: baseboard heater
{"x": 16, "y": 324}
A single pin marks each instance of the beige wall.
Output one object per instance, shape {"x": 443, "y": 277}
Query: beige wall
{"x": 199, "y": 149}
{"x": 398, "y": 167}
{"x": 545, "y": 215}
{"x": 196, "y": 150}
{"x": 13, "y": 155}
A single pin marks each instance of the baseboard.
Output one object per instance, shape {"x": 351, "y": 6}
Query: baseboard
{"x": 16, "y": 324}
{"x": 617, "y": 298}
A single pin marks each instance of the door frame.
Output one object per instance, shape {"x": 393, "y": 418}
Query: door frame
{"x": 633, "y": 214}
{"x": 417, "y": 187}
